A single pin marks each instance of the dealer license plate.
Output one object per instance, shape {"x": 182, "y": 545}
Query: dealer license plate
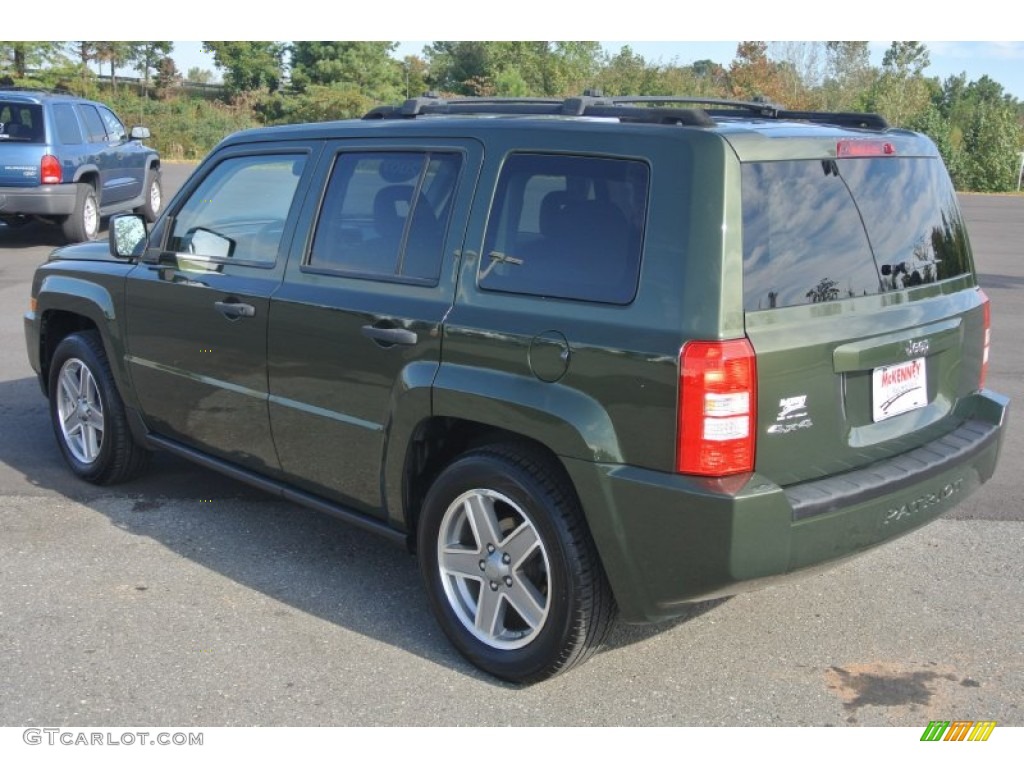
{"x": 896, "y": 389}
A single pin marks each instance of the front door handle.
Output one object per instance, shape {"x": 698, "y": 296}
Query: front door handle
{"x": 233, "y": 310}
{"x": 389, "y": 336}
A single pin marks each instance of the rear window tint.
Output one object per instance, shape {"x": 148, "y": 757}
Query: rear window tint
{"x": 95, "y": 132}
{"x": 21, "y": 123}
{"x": 568, "y": 227}
{"x": 804, "y": 236}
{"x": 64, "y": 118}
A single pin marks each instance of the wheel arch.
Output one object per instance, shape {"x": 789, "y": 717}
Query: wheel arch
{"x": 66, "y": 305}
{"x": 434, "y": 444}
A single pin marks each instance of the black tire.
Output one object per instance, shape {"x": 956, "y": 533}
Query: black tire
{"x": 99, "y": 449}
{"x": 84, "y": 223}
{"x": 154, "y": 197}
{"x": 551, "y": 607}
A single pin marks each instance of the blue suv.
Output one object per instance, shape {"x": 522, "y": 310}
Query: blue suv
{"x": 69, "y": 161}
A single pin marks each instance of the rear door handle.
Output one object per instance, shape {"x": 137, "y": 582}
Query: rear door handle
{"x": 389, "y": 336}
{"x": 234, "y": 309}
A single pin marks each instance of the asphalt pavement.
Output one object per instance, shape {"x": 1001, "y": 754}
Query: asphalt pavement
{"x": 186, "y": 598}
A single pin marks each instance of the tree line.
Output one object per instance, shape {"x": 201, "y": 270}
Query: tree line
{"x": 976, "y": 124}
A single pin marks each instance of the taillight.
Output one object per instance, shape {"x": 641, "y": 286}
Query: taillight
{"x": 717, "y": 408}
{"x": 864, "y": 148}
{"x": 49, "y": 170}
{"x": 986, "y": 309}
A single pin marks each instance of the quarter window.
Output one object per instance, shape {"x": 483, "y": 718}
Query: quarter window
{"x": 568, "y": 227}
{"x": 385, "y": 214}
{"x": 238, "y": 211}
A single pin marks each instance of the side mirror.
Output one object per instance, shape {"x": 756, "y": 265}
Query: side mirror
{"x": 127, "y": 235}
{"x": 140, "y": 132}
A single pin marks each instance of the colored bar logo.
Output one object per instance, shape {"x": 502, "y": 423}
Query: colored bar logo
{"x": 958, "y": 730}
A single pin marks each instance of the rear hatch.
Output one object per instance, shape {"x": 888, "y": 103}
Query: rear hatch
{"x": 21, "y": 137}
{"x": 860, "y": 302}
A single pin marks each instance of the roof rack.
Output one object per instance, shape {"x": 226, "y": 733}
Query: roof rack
{"x": 640, "y": 109}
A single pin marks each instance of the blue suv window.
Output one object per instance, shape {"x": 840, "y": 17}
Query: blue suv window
{"x": 94, "y": 129}
{"x": 68, "y": 131}
{"x": 21, "y": 122}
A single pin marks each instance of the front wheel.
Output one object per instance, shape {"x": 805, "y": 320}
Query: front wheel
{"x": 512, "y": 575}
{"x": 88, "y": 415}
{"x": 154, "y": 197}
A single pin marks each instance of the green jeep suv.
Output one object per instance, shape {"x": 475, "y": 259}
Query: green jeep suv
{"x": 588, "y": 357}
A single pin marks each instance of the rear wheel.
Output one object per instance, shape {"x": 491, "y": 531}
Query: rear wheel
{"x": 83, "y": 223}
{"x": 88, "y": 415}
{"x": 512, "y": 574}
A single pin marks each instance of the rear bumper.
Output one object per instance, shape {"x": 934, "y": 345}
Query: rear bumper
{"x": 667, "y": 540}
{"x": 47, "y": 200}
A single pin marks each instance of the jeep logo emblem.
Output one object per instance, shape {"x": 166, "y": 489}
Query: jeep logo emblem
{"x": 916, "y": 348}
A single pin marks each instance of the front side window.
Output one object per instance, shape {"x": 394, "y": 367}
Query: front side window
{"x": 385, "y": 214}
{"x": 238, "y": 211}
{"x": 567, "y": 226}
{"x": 115, "y": 128}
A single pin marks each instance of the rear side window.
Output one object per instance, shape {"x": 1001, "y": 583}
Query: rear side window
{"x": 385, "y": 214}
{"x": 94, "y": 130}
{"x": 68, "y": 131}
{"x": 21, "y": 123}
{"x": 823, "y": 230}
{"x": 568, "y": 227}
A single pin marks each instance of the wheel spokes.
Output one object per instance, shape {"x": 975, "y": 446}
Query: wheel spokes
{"x": 520, "y": 544}
{"x": 462, "y": 562}
{"x": 527, "y": 602}
{"x": 481, "y": 516}
{"x": 80, "y": 411}
{"x": 494, "y": 569}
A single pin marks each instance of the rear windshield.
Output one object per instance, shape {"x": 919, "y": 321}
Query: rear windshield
{"x": 825, "y": 230}
{"x": 21, "y": 122}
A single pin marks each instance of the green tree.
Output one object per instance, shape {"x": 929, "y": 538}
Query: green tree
{"x": 19, "y": 56}
{"x": 147, "y": 55}
{"x": 512, "y": 68}
{"x": 114, "y": 53}
{"x": 362, "y": 66}
{"x": 848, "y": 75}
{"x": 978, "y": 132}
{"x": 902, "y": 92}
{"x": 249, "y": 65}
{"x": 199, "y": 75}
{"x": 628, "y": 74}
{"x": 753, "y": 74}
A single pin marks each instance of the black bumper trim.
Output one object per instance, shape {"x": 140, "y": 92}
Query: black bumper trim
{"x": 891, "y": 475}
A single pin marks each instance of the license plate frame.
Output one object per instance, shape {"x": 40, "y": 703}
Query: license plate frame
{"x": 898, "y": 389}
